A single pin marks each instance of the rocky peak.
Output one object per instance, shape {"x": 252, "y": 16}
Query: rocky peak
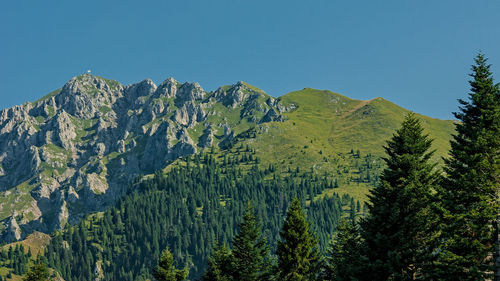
{"x": 168, "y": 88}
{"x": 88, "y": 84}
{"x": 144, "y": 88}
{"x": 237, "y": 94}
{"x": 84, "y": 96}
{"x": 189, "y": 92}
{"x": 15, "y": 114}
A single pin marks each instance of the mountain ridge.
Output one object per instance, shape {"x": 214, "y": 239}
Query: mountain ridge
{"x": 75, "y": 150}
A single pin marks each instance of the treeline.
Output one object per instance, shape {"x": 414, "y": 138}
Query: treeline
{"x": 348, "y": 168}
{"x": 188, "y": 210}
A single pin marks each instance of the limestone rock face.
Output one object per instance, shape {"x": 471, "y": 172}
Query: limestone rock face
{"x": 189, "y": 92}
{"x": 189, "y": 114}
{"x": 207, "y": 138}
{"x": 74, "y": 151}
{"x": 234, "y": 96}
{"x": 168, "y": 88}
{"x": 270, "y": 116}
{"x": 64, "y": 130}
{"x": 83, "y": 96}
{"x": 143, "y": 88}
{"x": 13, "y": 232}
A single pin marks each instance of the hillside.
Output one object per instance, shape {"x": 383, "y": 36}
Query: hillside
{"x": 75, "y": 151}
{"x": 334, "y": 124}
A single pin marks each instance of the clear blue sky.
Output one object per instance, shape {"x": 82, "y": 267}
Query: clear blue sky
{"x": 414, "y": 53}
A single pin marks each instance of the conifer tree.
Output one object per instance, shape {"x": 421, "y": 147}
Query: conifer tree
{"x": 250, "y": 251}
{"x": 297, "y": 251}
{"x": 219, "y": 265}
{"x": 343, "y": 261}
{"x": 469, "y": 193}
{"x": 37, "y": 272}
{"x": 165, "y": 271}
{"x": 400, "y": 226}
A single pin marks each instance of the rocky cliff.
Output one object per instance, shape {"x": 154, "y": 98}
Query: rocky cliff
{"x": 76, "y": 150}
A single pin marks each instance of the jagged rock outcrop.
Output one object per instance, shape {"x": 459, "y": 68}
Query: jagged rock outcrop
{"x": 13, "y": 232}
{"x": 143, "y": 88}
{"x": 168, "y": 88}
{"x": 270, "y": 116}
{"x": 207, "y": 138}
{"x": 85, "y": 95}
{"x": 75, "y": 150}
{"x": 189, "y": 92}
{"x": 63, "y": 131}
{"x": 189, "y": 114}
{"x": 233, "y": 96}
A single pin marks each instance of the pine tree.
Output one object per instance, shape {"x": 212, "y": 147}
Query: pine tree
{"x": 165, "y": 271}
{"x": 343, "y": 261}
{"x": 250, "y": 251}
{"x": 297, "y": 251}
{"x": 219, "y": 265}
{"x": 469, "y": 193}
{"x": 400, "y": 226}
{"x": 37, "y": 272}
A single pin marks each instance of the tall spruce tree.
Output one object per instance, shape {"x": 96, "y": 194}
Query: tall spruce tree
{"x": 219, "y": 265}
{"x": 165, "y": 271}
{"x": 399, "y": 228}
{"x": 297, "y": 251}
{"x": 343, "y": 261}
{"x": 250, "y": 252}
{"x": 469, "y": 193}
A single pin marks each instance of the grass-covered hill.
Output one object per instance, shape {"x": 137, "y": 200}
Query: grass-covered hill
{"x": 330, "y": 123}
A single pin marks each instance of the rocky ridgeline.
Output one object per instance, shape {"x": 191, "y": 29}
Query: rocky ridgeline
{"x": 75, "y": 150}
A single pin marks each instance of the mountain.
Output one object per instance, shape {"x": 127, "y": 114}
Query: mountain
{"x": 76, "y": 150}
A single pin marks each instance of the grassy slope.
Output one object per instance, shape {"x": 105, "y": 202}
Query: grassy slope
{"x": 364, "y": 125}
{"x": 333, "y": 124}
{"x": 324, "y": 128}
{"x": 36, "y": 241}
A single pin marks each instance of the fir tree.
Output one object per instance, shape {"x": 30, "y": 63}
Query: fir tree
{"x": 400, "y": 226}
{"x": 343, "y": 261}
{"x": 37, "y": 272}
{"x": 469, "y": 193}
{"x": 297, "y": 251}
{"x": 219, "y": 265}
{"x": 250, "y": 251}
{"x": 165, "y": 271}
